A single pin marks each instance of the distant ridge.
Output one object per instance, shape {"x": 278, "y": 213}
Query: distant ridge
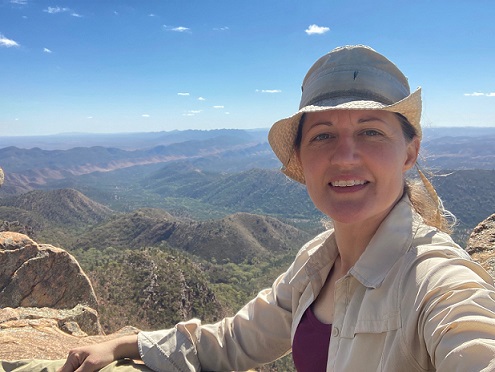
{"x": 126, "y": 141}
{"x": 235, "y": 238}
{"x": 27, "y": 169}
{"x": 261, "y": 191}
{"x": 141, "y": 140}
{"x": 65, "y": 207}
{"x": 221, "y": 151}
{"x": 68, "y": 217}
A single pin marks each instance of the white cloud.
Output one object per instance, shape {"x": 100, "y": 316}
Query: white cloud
{"x": 145, "y": 115}
{"x": 89, "y": 117}
{"x": 7, "y": 42}
{"x": 316, "y": 30}
{"x": 57, "y": 9}
{"x": 177, "y": 29}
{"x": 46, "y": 50}
{"x": 479, "y": 94}
{"x": 183, "y": 94}
{"x": 192, "y": 112}
{"x": 220, "y": 28}
{"x": 269, "y": 90}
{"x": 218, "y": 107}
{"x": 201, "y": 99}
{"x": 19, "y": 2}
{"x": 181, "y": 29}
{"x": 151, "y": 15}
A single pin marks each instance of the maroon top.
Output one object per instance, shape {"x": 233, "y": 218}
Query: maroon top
{"x": 311, "y": 341}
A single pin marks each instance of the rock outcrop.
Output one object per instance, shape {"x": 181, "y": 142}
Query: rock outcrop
{"x": 40, "y": 275}
{"x": 42, "y": 338}
{"x": 481, "y": 244}
{"x": 47, "y": 303}
{"x": 79, "y": 321}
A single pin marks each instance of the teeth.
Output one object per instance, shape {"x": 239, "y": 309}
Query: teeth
{"x": 347, "y": 183}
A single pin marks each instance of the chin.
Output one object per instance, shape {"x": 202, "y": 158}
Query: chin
{"x": 349, "y": 214}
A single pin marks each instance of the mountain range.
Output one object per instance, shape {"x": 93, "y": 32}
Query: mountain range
{"x": 171, "y": 225}
{"x": 202, "y": 175}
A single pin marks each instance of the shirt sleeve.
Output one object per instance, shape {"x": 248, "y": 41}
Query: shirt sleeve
{"x": 259, "y": 333}
{"x": 455, "y": 311}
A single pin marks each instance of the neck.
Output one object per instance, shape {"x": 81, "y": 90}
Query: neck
{"x": 352, "y": 240}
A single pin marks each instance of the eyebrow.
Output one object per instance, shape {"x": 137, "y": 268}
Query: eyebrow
{"x": 327, "y": 123}
{"x": 362, "y": 120}
{"x": 369, "y": 118}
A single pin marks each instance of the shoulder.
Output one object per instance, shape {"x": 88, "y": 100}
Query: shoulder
{"x": 312, "y": 261}
{"x": 314, "y": 245}
{"x": 435, "y": 259}
{"x": 426, "y": 238}
{"x": 447, "y": 300}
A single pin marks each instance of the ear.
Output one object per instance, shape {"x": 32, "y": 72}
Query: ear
{"x": 412, "y": 153}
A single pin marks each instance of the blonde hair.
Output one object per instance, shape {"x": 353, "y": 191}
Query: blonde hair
{"x": 428, "y": 204}
{"x": 423, "y": 196}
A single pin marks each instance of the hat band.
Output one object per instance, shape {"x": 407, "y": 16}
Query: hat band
{"x": 344, "y": 96}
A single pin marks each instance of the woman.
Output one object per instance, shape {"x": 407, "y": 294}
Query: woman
{"x": 385, "y": 289}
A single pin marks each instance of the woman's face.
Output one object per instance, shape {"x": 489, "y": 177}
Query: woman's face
{"x": 354, "y": 163}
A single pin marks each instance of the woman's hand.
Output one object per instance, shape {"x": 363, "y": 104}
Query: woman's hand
{"x": 93, "y": 357}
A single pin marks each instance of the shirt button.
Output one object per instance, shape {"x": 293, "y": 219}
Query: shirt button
{"x": 335, "y": 332}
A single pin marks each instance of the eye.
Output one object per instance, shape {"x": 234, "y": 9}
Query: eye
{"x": 371, "y": 133}
{"x": 321, "y": 137}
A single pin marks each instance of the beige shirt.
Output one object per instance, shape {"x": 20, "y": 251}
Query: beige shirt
{"x": 414, "y": 301}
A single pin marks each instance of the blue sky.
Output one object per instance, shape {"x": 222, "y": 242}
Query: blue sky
{"x": 151, "y": 65}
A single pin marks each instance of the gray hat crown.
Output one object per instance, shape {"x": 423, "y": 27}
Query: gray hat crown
{"x": 353, "y": 73}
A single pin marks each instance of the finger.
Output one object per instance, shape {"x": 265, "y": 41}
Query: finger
{"x": 70, "y": 364}
{"x": 67, "y": 367}
{"x": 87, "y": 366}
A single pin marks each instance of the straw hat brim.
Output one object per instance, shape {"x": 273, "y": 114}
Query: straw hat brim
{"x": 283, "y": 133}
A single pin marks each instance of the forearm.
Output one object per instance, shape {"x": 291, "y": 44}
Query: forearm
{"x": 96, "y": 356}
{"x": 125, "y": 347}
{"x": 257, "y": 334}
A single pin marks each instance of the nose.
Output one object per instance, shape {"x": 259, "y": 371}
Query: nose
{"x": 346, "y": 151}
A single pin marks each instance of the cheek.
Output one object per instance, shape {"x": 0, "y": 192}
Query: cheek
{"x": 389, "y": 167}
{"x": 395, "y": 158}
{"x": 314, "y": 167}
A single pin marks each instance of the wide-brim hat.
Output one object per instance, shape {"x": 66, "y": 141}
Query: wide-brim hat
{"x": 347, "y": 78}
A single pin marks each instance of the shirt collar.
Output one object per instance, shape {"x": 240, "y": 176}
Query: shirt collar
{"x": 391, "y": 240}
{"x": 314, "y": 262}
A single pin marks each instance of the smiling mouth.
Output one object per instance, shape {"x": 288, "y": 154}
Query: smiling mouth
{"x": 347, "y": 183}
